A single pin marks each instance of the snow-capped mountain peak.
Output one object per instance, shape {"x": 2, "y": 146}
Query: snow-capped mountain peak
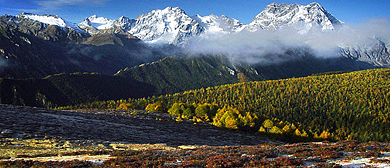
{"x": 96, "y": 22}
{"x": 315, "y": 4}
{"x": 174, "y": 9}
{"x": 219, "y": 24}
{"x": 275, "y": 16}
{"x": 170, "y": 25}
{"x": 50, "y": 20}
{"x": 124, "y": 23}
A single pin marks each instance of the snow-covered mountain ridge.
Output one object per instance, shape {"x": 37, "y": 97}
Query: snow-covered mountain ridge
{"x": 173, "y": 25}
{"x": 50, "y": 20}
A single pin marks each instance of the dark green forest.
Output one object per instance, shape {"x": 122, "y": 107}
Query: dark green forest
{"x": 180, "y": 73}
{"x": 336, "y": 106}
{"x": 67, "y": 89}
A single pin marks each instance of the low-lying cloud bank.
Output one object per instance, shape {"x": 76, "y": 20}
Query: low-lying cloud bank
{"x": 256, "y": 47}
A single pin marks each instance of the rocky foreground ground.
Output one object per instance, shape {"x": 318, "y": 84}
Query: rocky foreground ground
{"x": 123, "y": 126}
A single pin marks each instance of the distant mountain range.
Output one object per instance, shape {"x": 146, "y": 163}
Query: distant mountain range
{"x": 172, "y": 25}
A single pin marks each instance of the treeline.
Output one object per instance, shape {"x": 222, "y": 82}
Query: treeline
{"x": 352, "y": 105}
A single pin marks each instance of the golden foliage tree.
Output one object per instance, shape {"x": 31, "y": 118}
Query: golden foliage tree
{"x": 228, "y": 117}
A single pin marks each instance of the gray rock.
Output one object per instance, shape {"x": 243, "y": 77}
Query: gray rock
{"x": 6, "y": 131}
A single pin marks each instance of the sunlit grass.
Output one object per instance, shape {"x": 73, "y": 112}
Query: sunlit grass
{"x": 17, "y": 148}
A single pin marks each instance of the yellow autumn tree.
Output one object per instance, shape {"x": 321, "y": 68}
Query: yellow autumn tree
{"x": 275, "y": 130}
{"x": 287, "y": 129}
{"x": 205, "y": 112}
{"x": 250, "y": 119}
{"x": 176, "y": 109}
{"x": 324, "y": 135}
{"x": 304, "y": 134}
{"x": 123, "y": 106}
{"x": 262, "y": 129}
{"x": 228, "y": 117}
{"x": 297, "y": 132}
{"x": 155, "y": 107}
{"x": 268, "y": 124}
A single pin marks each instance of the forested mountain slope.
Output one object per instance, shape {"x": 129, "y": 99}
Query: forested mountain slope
{"x": 31, "y": 49}
{"x": 179, "y": 73}
{"x": 351, "y": 105}
{"x": 67, "y": 89}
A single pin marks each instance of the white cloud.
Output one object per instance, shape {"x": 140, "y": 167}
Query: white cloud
{"x": 261, "y": 44}
{"x": 56, "y": 4}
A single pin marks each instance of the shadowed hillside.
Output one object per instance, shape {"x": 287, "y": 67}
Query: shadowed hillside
{"x": 66, "y": 89}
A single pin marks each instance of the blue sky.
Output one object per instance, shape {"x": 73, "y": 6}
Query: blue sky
{"x": 244, "y": 10}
